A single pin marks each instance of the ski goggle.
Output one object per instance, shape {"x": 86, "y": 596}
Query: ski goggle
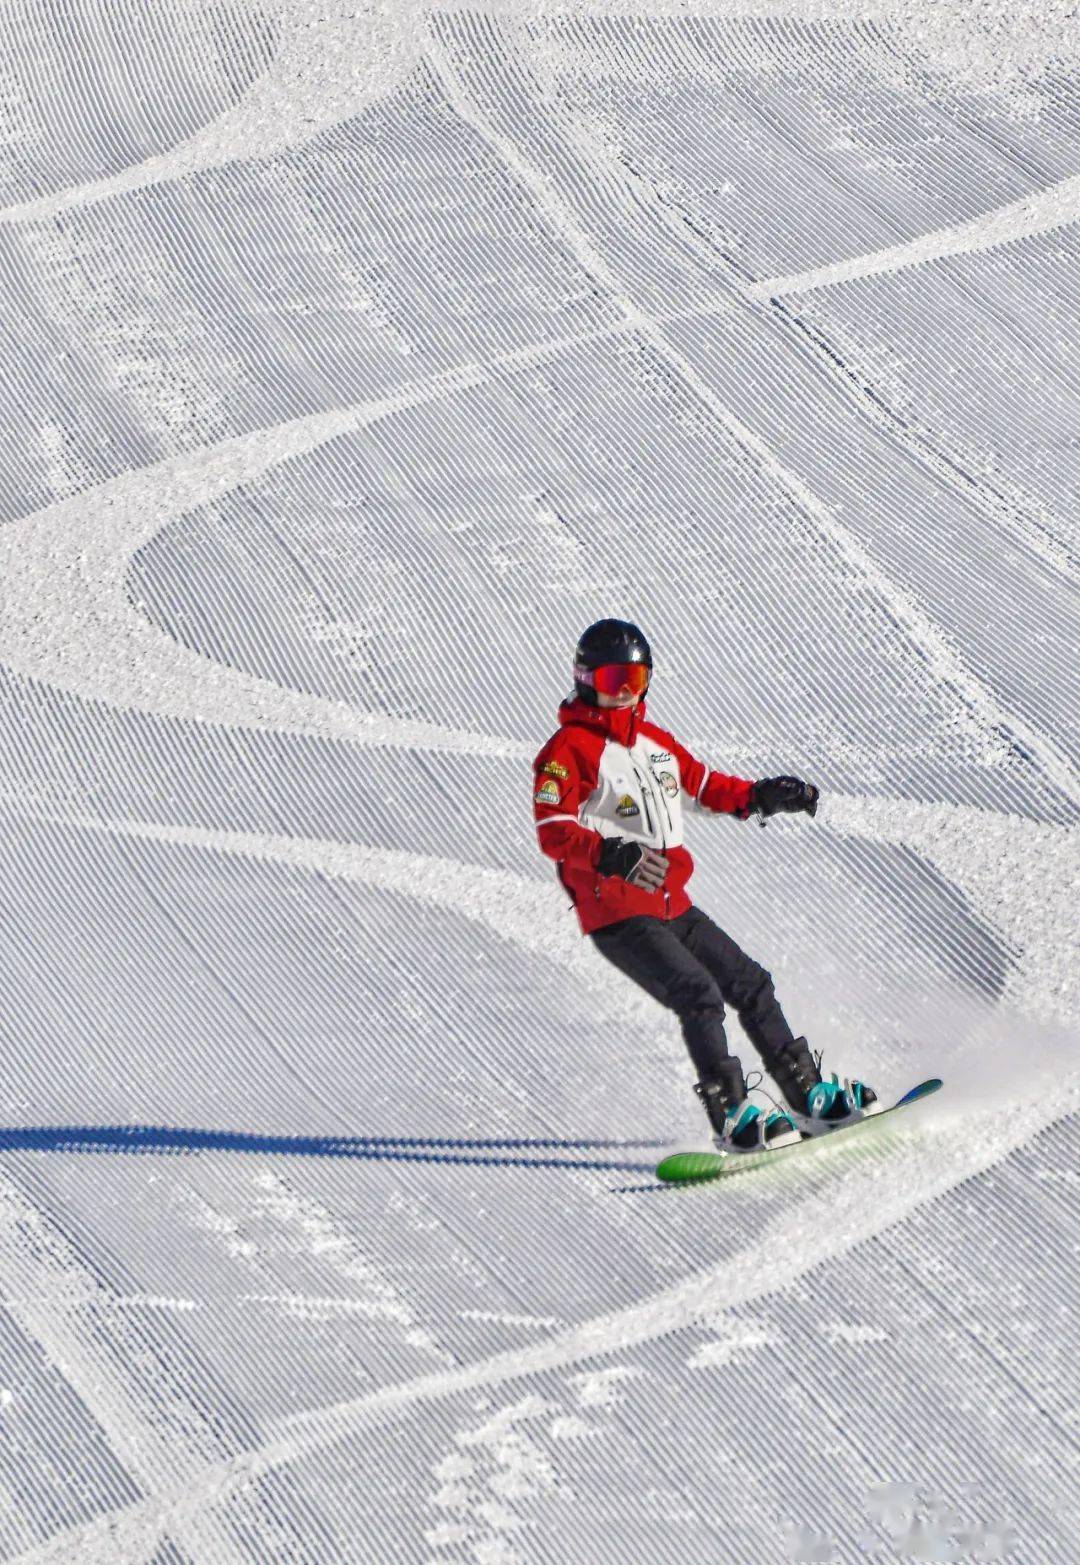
{"x": 616, "y": 679}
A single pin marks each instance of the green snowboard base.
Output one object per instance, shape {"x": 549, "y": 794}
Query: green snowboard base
{"x": 683, "y": 1168}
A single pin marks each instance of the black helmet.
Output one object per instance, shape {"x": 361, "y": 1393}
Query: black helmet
{"x": 607, "y": 641}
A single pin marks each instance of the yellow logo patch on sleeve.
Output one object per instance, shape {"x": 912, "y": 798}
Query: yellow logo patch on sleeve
{"x": 555, "y": 769}
{"x": 547, "y": 793}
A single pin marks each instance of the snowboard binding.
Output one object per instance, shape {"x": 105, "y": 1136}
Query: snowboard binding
{"x": 739, "y": 1125}
{"x": 817, "y": 1104}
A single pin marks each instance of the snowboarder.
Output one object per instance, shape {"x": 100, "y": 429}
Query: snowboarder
{"x": 607, "y": 795}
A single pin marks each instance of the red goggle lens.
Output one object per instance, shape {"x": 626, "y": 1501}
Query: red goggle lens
{"x": 615, "y": 679}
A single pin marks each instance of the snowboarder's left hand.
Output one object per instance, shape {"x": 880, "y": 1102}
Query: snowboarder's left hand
{"x": 774, "y": 794}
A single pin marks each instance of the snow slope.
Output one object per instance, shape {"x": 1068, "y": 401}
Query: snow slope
{"x": 357, "y": 355}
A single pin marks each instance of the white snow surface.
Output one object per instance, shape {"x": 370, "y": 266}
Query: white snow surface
{"x": 356, "y": 356}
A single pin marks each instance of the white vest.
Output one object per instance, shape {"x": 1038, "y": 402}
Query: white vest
{"x": 638, "y": 794}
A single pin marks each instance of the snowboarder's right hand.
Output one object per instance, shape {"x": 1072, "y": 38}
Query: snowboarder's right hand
{"x": 637, "y": 864}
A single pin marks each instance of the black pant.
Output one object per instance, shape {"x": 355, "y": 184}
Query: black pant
{"x": 692, "y": 967}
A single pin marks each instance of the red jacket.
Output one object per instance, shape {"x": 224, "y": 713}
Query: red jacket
{"x": 608, "y": 772}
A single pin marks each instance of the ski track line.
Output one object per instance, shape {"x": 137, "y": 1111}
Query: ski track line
{"x": 674, "y": 221}
{"x": 184, "y": 1485}
{"x": 1019, "y": 876}
{"x": 66, "y": 619}
{"x": 945, "y": 660}
{"x": 994, "y": 860}
{"x": 146, "y": 668}
{"x": 1041, "y": 212}
{"x": 152, "y": 1427}
{"x": 289, "y": 1303}
{"x": 858, "y": 1209}
{"x": 1020, "y": 524}
{"x": 334, "y": 58}
{"x": 508, "y": 905}
{"x": 314, "y": 84}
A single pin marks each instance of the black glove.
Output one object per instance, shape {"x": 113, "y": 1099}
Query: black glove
{"x": 774, "y": 794}
{"x": 639, "y": 865}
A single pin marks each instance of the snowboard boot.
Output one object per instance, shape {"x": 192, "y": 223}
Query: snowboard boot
{"x": 739, "y": 1125}
{"x": 816, "y": 1104}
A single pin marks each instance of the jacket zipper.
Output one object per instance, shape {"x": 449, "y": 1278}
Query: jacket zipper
{"x": 646, "y": 789}
{"x": 667, "y": 812}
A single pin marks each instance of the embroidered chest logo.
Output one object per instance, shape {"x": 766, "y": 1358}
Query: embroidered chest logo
{"x": 548, "y": 792}
{"x": 627, "y": 806}
{"x": 656, "y": 756}
{"x": 669, "y": 784}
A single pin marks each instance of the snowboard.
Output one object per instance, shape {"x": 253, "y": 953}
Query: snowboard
{"x": 694, "y": 1167}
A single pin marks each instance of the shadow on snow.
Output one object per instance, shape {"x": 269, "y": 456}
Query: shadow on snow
{"x": 401, "y": 1149}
